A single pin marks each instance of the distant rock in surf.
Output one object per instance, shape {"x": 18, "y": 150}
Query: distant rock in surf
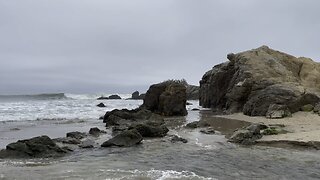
{"x": 136, "y": 95}
{"x": 101, "y": 105}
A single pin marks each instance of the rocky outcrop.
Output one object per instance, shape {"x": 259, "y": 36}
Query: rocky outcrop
{"x": 109, "y": 97}
{"x": 253, "y": 80}
{"x": 114, "y": 97}
{"x": 137, "y": 96}
{"x": 37, "y": 147}
{"x": 124, "y": 139}
{"x": 101, "y": 105}
{"x": 167, "y": 98}
{"x": 150, "y": 130}
{"x": 76, "y": 135}
{"x": 248, "y": 135}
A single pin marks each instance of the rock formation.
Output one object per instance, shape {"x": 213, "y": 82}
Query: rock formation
{"x": 37, "y": 147}
{"x": 136, "y": 95}
{"x": 167, "y": 98}
{"x": 254, "y": 80}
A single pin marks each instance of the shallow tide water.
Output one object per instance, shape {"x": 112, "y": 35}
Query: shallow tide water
{"x": 203, "y": 157}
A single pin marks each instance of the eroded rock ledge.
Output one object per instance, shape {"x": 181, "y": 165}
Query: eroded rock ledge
{"x": 256, "y": 80}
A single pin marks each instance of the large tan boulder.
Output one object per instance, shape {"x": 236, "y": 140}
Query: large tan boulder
{"x": 253, "y": 80}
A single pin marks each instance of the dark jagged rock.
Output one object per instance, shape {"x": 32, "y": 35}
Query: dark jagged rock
{"x": 68, "y": 140}
{"x": 176, "y": 139}
{"x": 114, "y": 97}
{"x": 101, "y": 105}
{"x": 209, "y": 130}
{"x": 248, "y": 135}
{"x": 76, "y": 135}
{"x": 197, "y": 124}
{"x": 193, "y": 125}
{"x": 135, "y": 95}
{"x": 167, "y": 98}
{"x": 37, "y": 147}
{"x": 87, "y": 143}
{"x": 253, "y": 80}
{"x": 126, "y": 117}
{"x": 124, "y": 139}
{"x": 96, "y": 131}
{"x": 148, "y": 130}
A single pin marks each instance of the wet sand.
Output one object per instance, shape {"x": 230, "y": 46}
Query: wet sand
{"x": 302, "y": 127}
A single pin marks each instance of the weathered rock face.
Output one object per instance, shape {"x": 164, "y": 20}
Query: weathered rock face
{"x": 167, "y": 98}
{"x": 38, "y": 147}
{"x": 253, "y": 80}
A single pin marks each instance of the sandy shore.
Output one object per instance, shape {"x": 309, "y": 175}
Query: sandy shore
{"x": 302, "y": 126}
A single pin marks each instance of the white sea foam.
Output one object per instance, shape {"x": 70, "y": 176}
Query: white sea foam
{"x": 155, "y": 174}
{"x": 72, "y": 107}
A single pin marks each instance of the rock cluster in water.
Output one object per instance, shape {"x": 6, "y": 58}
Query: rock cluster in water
{"x": 262, "y": 82}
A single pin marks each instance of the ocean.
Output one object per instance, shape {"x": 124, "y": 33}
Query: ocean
{"x": 203, "y": 157}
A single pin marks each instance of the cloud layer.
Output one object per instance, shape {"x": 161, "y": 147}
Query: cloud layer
{"x": 122, "y": 45}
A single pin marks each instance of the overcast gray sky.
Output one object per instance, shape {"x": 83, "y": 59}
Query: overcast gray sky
{"x": 81, "y": 46}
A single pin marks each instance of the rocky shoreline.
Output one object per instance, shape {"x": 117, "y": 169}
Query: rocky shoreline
{"x": 262, "y": 89}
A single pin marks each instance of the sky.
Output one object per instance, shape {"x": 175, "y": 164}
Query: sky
{"x": 91, "y": 46}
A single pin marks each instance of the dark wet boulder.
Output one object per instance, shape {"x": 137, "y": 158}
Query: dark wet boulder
{"x": 253, "y": 80}
{"x": 208, "y": 130}
{"x": 193, "y": 125}
{"x": 37, "y": 147}
{"x": 87, "y": 143}
{"x": 248, "y": 135}
{"x": 149, "y": 130}
{"x": 276, "y": 111}
{"x": 96, "y": 131}
{"x": 124, "y": 139}
{"x": 167, "y": 98}
{"x": 76, "y": 135}
{"x": 67, "y": 140}
{"x": 114, "y": 97}
{"x": 127, "y": 118}
{"x": 195, "y": 109}
{"x": 176, "y": 139}
{"x": 101, "y": 105}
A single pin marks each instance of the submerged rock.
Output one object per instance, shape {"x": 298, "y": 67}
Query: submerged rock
{"x": 101, "y": 105}
{"x": 209, "y": 130}
{"x": 248, "y": 135}
{"x": 76, "y": 135}
{"x": 87, "y": 143}
{"x": 37, "y": 147}
{"x": 124, "y": 139}
{"x": 96, "y": 131}
{"x": 147, "y": 130}
{"x": 253, "y": 80}
{"x": 176, "y": 139}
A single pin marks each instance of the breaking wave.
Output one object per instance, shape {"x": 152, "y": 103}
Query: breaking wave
{"x": 53, "y": 96}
